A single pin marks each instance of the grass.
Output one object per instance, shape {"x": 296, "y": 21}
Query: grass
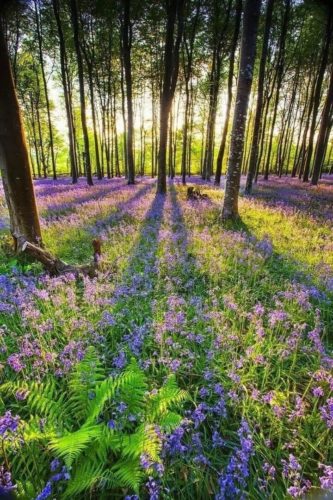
{"x": 240, "y": 314}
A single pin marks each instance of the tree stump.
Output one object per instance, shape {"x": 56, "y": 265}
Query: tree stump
{"x": 195, "y": 194}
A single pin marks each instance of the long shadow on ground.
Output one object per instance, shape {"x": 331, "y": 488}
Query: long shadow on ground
{"x": 81, "y": 237}
{"x": 133, "y": 299}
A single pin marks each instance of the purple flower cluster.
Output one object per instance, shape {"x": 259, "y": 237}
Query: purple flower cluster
{"x": 61, "y": 475}
{"x": 233, "y": 480}
{"x": 6, "y": 483}
{"x": 326, "y": 412}
{"x": 174, "y": 444}
{"x": 8, "y": 424}
{"x": 292, "y": 471}
{"x": 326, "y": 480}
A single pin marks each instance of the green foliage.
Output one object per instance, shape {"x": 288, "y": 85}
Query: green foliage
{"x": 98, "y": 454}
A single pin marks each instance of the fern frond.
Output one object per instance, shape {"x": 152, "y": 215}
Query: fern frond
{"x": 170, "y": 421}
{"x": 144, "y": 441}
{"x": 130, "y": 382}
{"x": 82, "y": 382}
{"x": 135, "y": 395}
{"x": 84, "y": 477}
{"x": 42, "y": 398}
{"x": 169, "y": 394}
{"x": 128, "y": 473}
{"x": 71, "y": 445}
{"x": 32, "y": 431}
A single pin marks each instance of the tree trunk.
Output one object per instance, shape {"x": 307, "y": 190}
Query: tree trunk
{"x": 126, "y": 51}
{"x": 279, "y": 72}
{"x": 245, "y": 76}
{"x": 68, "y": 104}
{"x": 171, "y": 65}
{"x": 14, "y": 160}
{"x": 324, "y": 127}
{"x": 75, "y": 25}
{"x": 317, "y": 94}
{"x": 260, "y": 100}
{"x": 41, "y": 60}
{"x": 234, "y": 43}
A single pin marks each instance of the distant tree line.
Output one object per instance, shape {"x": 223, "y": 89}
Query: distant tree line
{"x": 165, "y": 73}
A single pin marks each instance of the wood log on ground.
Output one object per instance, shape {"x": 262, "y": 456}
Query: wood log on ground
{"x": 56, "y": 266}
{"x": 195, "y": 194}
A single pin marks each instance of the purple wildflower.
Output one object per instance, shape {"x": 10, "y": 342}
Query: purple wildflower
{"x": 326, "y": 412}
{"x": 46, "y": 492}
{"x": 8, "y": 423}
{"x": 326, "y": 480}
{"x": 6, "y": 480}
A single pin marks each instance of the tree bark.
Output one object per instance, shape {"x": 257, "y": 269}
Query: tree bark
{"x": 234, "y": 43}
{"x": 75, "y": 25}
{"x": 47, "y": 101}
{"x": 247, "y": 59}
{"x": 126, "y": 50}
{"x": 279, "y": 72}
{"x": 68, "y": 104}
{"x": 174, "y": 10}
{"x": 188, "y": 70}
{"x": 317, "y": 94}
{"x": 325, "y": 125}
{"x": 14, "y": 160}
{"x": 260, "y": 100}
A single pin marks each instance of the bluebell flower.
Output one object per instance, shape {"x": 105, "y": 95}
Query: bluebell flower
{"x": 46, "y": 492}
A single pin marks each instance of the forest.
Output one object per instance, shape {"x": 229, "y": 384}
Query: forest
{"x": 166, "y": 249}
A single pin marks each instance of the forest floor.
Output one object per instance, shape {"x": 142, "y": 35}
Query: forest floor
{"x": 241, "y": 314}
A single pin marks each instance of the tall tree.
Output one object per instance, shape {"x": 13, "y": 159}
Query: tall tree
{"x": 218, "y": 46}
{"x": 47, "y": 100}
{"x": 126, "y": 30}
{"x": 14, "y": 159}
{"x": 67, "y": 97}
{"x": 188, "y": 49}
{"x": 280, "y": 66}
{"x": 234, "y": 43}
{"x": 317, "y": 91}
{"x": 245, "y": 76}
{"x": 260, "y": 99}
{"x": 323, "y": 134}
{"x": 174, "y": 33}
{"x": 75, "y": 25}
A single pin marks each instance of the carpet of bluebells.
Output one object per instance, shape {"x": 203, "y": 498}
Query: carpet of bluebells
{"x": 242, "y": 314}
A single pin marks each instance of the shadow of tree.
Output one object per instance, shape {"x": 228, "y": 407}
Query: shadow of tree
{"x": 63, "y": 207}
{"x": 134, "y": 295}
{"x": 316, "y": 202}
{"x": 74, "y": 244}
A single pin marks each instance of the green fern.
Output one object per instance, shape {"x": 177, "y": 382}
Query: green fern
{"x": 169, "y": 394}
{"x": 75, "y": 426}
{"x": 71, "y": 445}
{"x": 82, "y": 383}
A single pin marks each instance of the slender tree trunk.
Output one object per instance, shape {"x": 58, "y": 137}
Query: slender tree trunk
{"x": 14, "y": 160}
{"x": 75, "y": 25}
{"x": 234, "y": 43}
{"x": 68, "y": 104}
{"x": 247, "y": 59}
{"x": 279, "y": 71}
{"x": 34, "y": 135}
{"x": 126, "y": 51}
{"x": 171, "y": 65}
{"x": 93, "y": 114}
{"x": 317, "y": 94}
{"x": 260, "y": 100}
{"x": 47, "y": 101}
{"x": 40, "y": 134}
{"x": 325, "y": 125}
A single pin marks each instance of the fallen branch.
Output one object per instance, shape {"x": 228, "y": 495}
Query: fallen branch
{"x": 195, "y": 194}
{"x": 56, "y": 266}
